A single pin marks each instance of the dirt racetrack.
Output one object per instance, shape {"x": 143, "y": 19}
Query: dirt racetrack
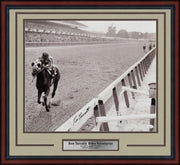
{"x": 85, "y": 71}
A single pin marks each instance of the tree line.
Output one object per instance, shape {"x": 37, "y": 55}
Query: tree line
{"x": 124, "y": 34}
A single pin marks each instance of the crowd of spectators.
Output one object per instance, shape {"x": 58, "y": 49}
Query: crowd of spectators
{"x": 51, "y": 27}
{"x": 51, "y": 32}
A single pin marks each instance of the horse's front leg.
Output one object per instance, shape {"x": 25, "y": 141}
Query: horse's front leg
{"x": 45, "y": 100}
{"x": 39, "y": 97}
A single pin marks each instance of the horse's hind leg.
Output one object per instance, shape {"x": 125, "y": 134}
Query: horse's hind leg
{"x": 55, "y": 87}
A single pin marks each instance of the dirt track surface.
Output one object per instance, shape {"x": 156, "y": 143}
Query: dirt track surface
{"x": 85, "y": 71}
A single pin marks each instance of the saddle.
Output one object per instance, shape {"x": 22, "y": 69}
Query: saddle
{"x": 52, "y": 72}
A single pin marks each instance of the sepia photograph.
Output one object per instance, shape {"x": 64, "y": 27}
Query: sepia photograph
{"x": 89, "y": 82}
{"x": 90, "y": 75}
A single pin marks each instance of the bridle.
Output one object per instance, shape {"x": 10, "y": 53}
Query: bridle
{"x": 37, "y": 67}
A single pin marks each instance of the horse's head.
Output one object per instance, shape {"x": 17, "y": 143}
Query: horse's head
{"x": 36, "y": 67}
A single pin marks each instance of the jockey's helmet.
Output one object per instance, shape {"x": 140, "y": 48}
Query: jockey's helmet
{"x": 45, "y": 55}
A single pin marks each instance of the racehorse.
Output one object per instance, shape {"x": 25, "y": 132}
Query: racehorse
{"x": 44, "y": 82}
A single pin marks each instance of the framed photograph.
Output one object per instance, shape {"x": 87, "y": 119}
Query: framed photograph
{"x": 91, "y": 82}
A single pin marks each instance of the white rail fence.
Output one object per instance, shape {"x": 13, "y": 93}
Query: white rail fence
{"x": 130, "y": 81}
{"x": 70, "y": 43}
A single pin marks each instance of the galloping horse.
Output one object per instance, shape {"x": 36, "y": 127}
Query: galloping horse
{"x": 44, "y": 81}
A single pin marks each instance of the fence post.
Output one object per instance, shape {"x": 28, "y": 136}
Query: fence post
{"x": 153, "y": 111}
{"x": 134, "y": 80}
{"x": 137, "y": 75}
{"x": 145, "y": 67}
{"x": 142, "y": 68}
{"x": 116, "y": 100}
{"x": 148, "y": 61}
{"x": 104, "y": 127}
{"x": 130, "y": 83}
{"x": 125, "y": 94}
{"x": 139, "y": 66}
{"x": 152, "y": 95}
{"x": 96, "y": 113}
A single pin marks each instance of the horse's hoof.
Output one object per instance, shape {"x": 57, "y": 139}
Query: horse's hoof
{"x": 47, "y": 109}
{"x": 39, "y": 102}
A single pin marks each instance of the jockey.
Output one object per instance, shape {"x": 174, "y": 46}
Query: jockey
{"x": 47, "y": 62}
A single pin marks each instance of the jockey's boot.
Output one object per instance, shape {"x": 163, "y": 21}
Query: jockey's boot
{"x": 55, "y": 72}
{"x": 52, "y": 73}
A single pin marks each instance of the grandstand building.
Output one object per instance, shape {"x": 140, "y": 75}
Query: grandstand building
{"x": 46, "y": 32}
